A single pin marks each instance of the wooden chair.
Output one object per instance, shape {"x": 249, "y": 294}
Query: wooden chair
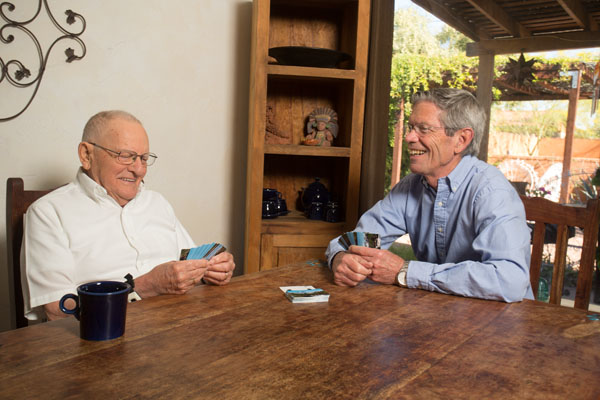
{"x": 17, "y": 202}
{"x": 541, "y": 212}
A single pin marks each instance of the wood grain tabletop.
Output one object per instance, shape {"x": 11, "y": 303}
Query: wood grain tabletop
{"x": 247, "y": 341}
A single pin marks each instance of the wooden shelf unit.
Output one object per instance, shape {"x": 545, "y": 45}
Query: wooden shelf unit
{"x": 293, "y": 92}
{"x": 294, "y": 149}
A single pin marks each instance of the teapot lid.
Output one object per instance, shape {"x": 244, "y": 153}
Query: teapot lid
{"x": 317, "y": 186}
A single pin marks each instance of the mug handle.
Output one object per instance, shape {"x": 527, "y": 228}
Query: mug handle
{"x": 74, "y": 311}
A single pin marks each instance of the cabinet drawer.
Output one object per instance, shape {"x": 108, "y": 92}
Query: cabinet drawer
{"x": 279, "y": 250}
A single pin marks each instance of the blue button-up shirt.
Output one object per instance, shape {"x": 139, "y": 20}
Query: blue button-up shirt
{"x": 470, "y": 237}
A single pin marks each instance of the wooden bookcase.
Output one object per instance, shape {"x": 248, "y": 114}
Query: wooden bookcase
{"x": 293, "y": 92}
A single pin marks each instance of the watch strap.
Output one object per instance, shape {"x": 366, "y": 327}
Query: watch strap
{"x": 132, "y": 296}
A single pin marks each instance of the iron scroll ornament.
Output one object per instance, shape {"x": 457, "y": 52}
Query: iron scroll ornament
{"x": 20, "y": 72}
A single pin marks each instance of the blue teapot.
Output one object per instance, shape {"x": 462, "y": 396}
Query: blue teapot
{"x": 315, "y": 192}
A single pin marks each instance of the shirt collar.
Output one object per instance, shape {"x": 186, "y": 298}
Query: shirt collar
{"x": 459, "y": 173}
{"x": 96, "y": 192}
{"x": 456, "y": 177}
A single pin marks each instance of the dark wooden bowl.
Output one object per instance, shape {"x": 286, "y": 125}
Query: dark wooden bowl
{"x": 308, "y": 56}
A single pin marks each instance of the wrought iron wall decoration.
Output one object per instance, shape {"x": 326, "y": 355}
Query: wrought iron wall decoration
{"x": 21, "y": 74}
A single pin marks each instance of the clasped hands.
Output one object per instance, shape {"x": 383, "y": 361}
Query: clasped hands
{"x": 358, "y": 263}
{"x": 177, "y": 277}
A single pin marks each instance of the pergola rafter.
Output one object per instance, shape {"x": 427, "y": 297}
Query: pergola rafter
{"x": 508, "y": 27}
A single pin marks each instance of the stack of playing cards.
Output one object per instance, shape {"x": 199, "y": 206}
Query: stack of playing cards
{"x": 206, "y": 251}
{"x": 359, "y": 239}
{"x": 305, "y": 294}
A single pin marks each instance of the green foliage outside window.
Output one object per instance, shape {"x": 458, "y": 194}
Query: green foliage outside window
{"x": 422, "y": 60}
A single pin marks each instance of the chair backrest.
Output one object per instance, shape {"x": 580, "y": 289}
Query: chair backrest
{"x": 542, "y": 212}
{"x": 17, "y": 202}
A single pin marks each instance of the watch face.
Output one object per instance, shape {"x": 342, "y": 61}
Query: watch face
{"x": 133, "y": 296}
{"x": 401, "y": 277}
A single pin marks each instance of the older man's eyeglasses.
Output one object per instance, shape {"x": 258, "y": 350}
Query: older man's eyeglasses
{"x": 423, "y": 129}
{"x": 127, "y": 157}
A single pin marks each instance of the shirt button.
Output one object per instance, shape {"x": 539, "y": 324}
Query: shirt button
{"x": 440, "y": 204}
{"x": 439, "y": 229}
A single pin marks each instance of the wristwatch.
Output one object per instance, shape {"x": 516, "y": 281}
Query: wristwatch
{"x": 401, "y": 277}
{"x": 132, "y": 296}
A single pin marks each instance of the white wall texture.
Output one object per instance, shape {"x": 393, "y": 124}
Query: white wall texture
{"x": 182, "y": 67}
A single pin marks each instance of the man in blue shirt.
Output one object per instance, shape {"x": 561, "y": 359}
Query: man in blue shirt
{"x": 465, "y": 221}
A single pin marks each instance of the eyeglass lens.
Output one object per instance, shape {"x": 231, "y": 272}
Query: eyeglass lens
{"x": 127, "y": 157}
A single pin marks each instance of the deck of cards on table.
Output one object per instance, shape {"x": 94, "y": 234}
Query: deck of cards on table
{"x": 304, "y": 294}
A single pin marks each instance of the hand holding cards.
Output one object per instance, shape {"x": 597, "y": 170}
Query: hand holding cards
{"x": 218, "y": 271}
{"x": 206, "y": 252}
{"x": 355, "y": 238}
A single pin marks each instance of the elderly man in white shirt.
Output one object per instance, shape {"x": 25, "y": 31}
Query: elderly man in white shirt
{"x": 105, "y": 225}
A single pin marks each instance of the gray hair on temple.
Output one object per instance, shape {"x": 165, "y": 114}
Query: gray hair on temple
{"x": 460, "y": 109}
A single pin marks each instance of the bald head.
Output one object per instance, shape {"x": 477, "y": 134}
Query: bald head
{"x": 98, "y": 124}
{"x": 106, "y": 136}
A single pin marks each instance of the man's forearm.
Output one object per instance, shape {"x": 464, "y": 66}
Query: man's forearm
{"x": 144, "y": 286}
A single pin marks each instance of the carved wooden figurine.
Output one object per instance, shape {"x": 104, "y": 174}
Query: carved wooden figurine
{"x": 322, "y": 127}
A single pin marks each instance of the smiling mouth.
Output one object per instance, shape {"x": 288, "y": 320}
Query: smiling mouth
{"x": 416, "y": 152}
{"x": 130, "y": 180}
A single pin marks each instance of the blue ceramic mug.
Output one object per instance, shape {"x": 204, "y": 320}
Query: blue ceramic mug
{"x": 280, "y": 205}
{"x": 268, "y": 209}
{"x": 316, "y": 210}
{"x": 100, "y": 307}
{"x": 332, "y": 212}
{"x": 269, "y": 194}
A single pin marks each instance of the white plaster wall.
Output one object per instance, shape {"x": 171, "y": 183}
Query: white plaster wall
{"x": 182, "y": 67}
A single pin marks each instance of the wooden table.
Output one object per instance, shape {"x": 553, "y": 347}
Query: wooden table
{"x": 247, "y": 341}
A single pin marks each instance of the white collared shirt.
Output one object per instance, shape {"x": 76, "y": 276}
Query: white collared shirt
{"x": 78, "y": 234}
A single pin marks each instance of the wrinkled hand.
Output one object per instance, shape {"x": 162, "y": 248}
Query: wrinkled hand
{"x": 385, "y": 265}
{"x": 350, "y": 269}
{"x": 220, "y": 269}
{"x": 173, "y": 277}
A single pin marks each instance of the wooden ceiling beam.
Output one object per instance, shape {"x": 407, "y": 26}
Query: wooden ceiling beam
{"x": 587, "y": 78}
{"x": 441, "y": 11}
{"x": 553, "y": 88}
{"x": 516, "y": 88}
{"x": 550, "y": 42}
{"x": 497, "y": 15}
{"x": 576, "y": 11}
{"x": 516, "y": 97}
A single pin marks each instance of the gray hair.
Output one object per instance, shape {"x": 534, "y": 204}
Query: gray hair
{"x": 96, "y": 125}
{"x": 460, "y": 109}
